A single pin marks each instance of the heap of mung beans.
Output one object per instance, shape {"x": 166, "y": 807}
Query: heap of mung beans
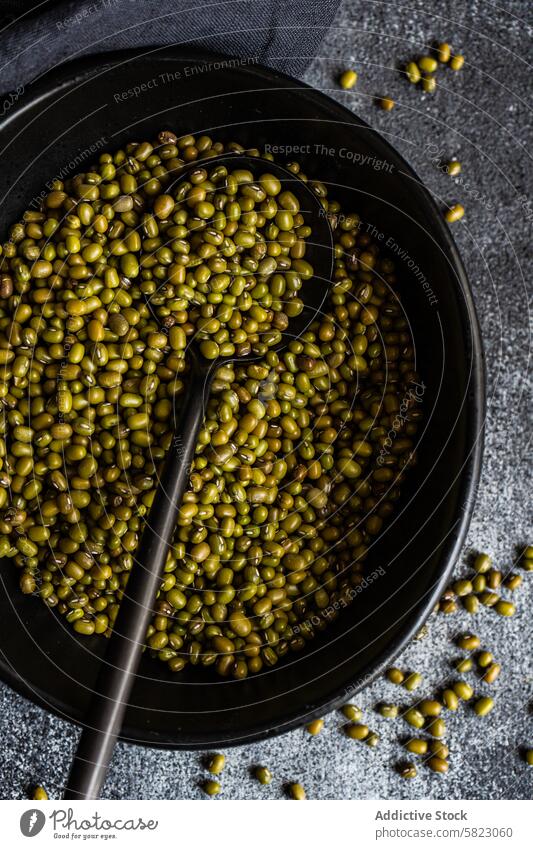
{"x": 101, "y": 289}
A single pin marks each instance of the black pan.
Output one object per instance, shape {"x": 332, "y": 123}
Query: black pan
{"x": 57, "y": 128}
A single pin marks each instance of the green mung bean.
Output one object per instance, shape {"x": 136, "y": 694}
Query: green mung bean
{"x": 388, "y": 711}
{"x": 483, "y": 706}
{"x": 437, "y": 764}
{"x": 491, "y": 673}
{"x": 395, "y": 675}
{"x": 413, "y": 680}
{"x": 296, "y": 791}
{"x": 352, "y": 712}
{"x": 482, "y": 563}
{"x": 216, "y": 764}
{"x": 414, "y": 718}
{"x": 357, "y": 731}
{"x": 39, "y": 794}
{"x": 263, "y": 775}
{"x": 417, "y": 746}
{"x": 348, "y": 79}
{"x": 408, "y": 770}
{"x": 212, "y": 788}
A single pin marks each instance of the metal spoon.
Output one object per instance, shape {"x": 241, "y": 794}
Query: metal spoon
{"x": 115, "y": 680}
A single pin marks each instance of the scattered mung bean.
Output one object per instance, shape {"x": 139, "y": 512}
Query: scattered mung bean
{"x": 457, "y": 62}
{"x": 352, "y": 712}
{"x": 408, "y": 770}
{"x": 212, "y": 788}
{"x": 454, "y": 213}
{"x": 348, "y": 79}
{"x": 263, "y": 775}
{"x": 395, "y": 675}
{"x": 484, "y": 705}
{"x": 216, "y": 764}
{"x": 315, "y": 727}
{"x": 386, "y": 103}
{"x": 39, "y": 793}
{"x": 296, "y": 791}
{"x": 413, "y": 680}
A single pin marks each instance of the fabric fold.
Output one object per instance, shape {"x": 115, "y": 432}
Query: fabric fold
{"x": 36, "y": 37}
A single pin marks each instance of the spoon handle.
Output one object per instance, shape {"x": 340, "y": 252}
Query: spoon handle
{"x": 115, "y": 680}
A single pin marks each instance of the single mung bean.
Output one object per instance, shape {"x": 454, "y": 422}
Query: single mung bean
{"x": 462, "y": 587}
{"x": 450, "y": 699}
{"x": 430, "y": 707}
{"x": 417, "y": 746}
{"x": 494, "y": 579}
{"x": 491, "y": 673}
{"x": 357, "y": 731}
{"x": 453, "y": 167}
{"x": 505, "y": 608}
{"x": 513, "y": 581}
{"x": 315, "y": 727}
{"x": 437, "y": 764}
{"x": 408, "y": 770}
{"x": 388, "y": 711}
{"x": 216, "y": 764}
{"x": 263, "y": 775}
{"x": 296, "y": 791}
{"x": 395, "y": 675}
{"x": 352, "y": 712}
{"x": 454, "y": 213}
{"x": 348, "y": 79}
{"x": 414, "y": 717}
{"x": 437, "y": 747}
{"x": 488, "y": 598}
{"x": 468, "y": 642}
{"x": 484, "y": 659}
{"x": 386, "y": 103}
{"x": 39, "y": 793}
{"x": 413, "y": 680}
{"x": 463, "y": 690}
{"x": 427, "y": 64}
{"x": 443, "y": 51}
{"x": 470, "y": 603}
{"x": 412, "y": 72}
{"x": 212, "y": 788}
{"x": 482, "y": 563}
{"x": 483, "y": 706}
{"x": 456, "y": 62}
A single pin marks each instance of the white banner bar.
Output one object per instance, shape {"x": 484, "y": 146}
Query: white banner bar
{"x": 312, "y": 825}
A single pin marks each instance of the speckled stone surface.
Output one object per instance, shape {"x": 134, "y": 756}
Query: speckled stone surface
{"x": 481, "y": 116}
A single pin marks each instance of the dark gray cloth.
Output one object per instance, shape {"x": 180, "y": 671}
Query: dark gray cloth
{"x": 35, "y": 37}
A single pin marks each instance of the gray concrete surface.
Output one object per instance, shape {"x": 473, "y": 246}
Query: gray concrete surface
{"x": 484, "y": 118}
